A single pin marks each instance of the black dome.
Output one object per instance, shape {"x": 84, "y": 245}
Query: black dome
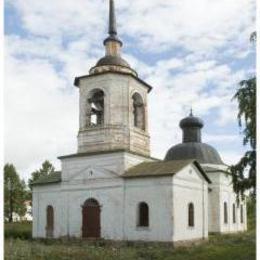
{"x": 191, "y": 121}
{"x": 112, "y": 60}
{"x": 202, "y": 152}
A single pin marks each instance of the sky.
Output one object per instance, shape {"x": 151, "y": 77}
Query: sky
{"x": 193, "y": 53}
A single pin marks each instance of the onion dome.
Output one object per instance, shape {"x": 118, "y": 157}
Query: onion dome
{"x": 112, "y": 61}
{"x": 191, "y": 146}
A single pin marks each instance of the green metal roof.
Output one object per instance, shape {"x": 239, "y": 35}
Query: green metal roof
{"x": 161, "y": 168}
{"x": 51, "y": 178}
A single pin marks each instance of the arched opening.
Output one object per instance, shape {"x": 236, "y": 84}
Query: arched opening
{"x": 96, "y": 108}
{"x": 91, "y": 219}
{"x": 234, "y": 213}
{"x": 241, "y": 214}
{"x": 143, "y": 215}
{"x": 49, "y": 221}
{"x": 191, "y": 215}
{"x": 225, "y": 213}
{"x": 138, "y": 111}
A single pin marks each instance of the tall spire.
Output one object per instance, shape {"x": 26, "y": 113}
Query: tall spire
{"x": 112, "y": 19}
{"x": 112, "y": 61}
{"x": 112, "y": 31}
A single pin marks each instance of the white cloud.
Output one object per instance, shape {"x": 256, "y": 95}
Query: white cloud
{"x": 40, "y": 113}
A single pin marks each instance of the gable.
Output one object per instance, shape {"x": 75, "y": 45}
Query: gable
{"x": 190, "y": 173}
{"x": 92, "y": 173}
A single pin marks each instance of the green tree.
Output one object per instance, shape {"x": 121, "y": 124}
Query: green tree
{"x": 244, "y": 172}
{"x": 14, "y": 193}
{"x": 46, "y": 169}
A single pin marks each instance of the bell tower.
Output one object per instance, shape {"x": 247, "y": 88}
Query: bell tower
{"x": 113, "y": 102}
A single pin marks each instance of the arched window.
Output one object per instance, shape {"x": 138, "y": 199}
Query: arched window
{"x": 96, "y": 108}
{"x": 191, "y": 215}
{"x": 49, "y": 221}
{"x": 143, "y": 215}
{"x": 234, "y": 213}
{"x": 225, "y": 213}
{"x": 241, "y": 214}
{"x": 138, "y": 111}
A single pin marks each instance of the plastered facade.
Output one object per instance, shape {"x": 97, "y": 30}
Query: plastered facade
{"x": 99, "y": 177}
{"x": 221, "y": 191}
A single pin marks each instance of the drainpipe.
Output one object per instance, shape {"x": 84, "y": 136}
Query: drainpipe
{"x": 124, "y": 193}
{"x": 203, "y": 210}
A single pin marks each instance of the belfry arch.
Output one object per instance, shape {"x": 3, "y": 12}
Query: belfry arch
{"x": 95, "y": 108}
{"x": 138, "y": 111}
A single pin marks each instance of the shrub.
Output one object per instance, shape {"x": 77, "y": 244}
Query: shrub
{"x": 21, "y": 230}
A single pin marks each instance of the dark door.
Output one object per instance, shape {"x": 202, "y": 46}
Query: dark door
{"x": 49, "y": 222}
{"x": 91, "y": 219}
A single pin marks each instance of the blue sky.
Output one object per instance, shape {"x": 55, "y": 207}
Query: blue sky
{"x": 191, "y": 55}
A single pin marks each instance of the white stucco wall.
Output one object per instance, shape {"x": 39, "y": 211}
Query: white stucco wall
{"x": 157, "y": 193}
{"x": 190, "y": 187}
{"x": 42, "y": 197}
{"x": 84, "y": 177}
{"x": 221, "y": 190}
{"x": 98, "y": 177}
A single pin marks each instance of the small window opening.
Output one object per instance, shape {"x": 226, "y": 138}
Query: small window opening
{"x": 234, "y": 213}
{"x": 191, "y": 215}
{"x": 225, "y": 213}
{"x": 143, "y": 216}
{"x": 49, "y": 221}
{"x": 241, "y": 214}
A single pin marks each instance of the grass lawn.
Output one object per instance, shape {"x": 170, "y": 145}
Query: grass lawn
{"x": 241, "y": 246}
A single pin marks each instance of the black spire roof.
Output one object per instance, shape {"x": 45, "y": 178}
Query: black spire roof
{"x": 112, "y": 31}
{"x": 192, "y": 147}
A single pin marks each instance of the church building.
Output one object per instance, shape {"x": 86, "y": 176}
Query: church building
{"x": 113, "y": 189}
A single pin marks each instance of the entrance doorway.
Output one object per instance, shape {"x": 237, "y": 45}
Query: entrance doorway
{"x": 91, "y": 219}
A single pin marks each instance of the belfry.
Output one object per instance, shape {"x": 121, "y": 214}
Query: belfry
{"x": 112, "y": 188}
{"x": 113, "y": 102}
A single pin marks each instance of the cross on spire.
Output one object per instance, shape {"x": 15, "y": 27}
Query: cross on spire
{"x": 191, "y": 112}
